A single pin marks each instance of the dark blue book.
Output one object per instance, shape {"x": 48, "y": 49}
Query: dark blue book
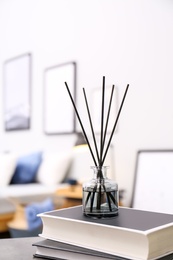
{"x": 133, "y": 234}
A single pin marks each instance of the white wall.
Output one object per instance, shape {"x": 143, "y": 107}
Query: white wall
{"x": 128, "y": 41}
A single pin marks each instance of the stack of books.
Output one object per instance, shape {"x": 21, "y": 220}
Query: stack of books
{"x": 133, "y": 234}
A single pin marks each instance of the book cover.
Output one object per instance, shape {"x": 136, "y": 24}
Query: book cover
{"x": 133, "y": 234}
{"x": 58, "y": 250}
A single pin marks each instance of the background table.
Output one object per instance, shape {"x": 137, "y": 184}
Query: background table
{"x": 71, "y": 196}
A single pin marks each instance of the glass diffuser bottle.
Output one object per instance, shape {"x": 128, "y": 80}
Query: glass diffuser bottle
{"x": 100, "y": 195}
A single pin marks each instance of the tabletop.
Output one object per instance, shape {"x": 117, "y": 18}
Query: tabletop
{"x": 18, "y": 248}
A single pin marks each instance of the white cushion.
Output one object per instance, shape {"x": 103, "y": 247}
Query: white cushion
{"x": 53, "y": 168}
{"x": 27, "y": 193}
{"x": 7, "y": 167}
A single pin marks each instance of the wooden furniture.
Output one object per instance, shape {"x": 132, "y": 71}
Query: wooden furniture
{"x": 70, "y": 196}
{"x": 7, "y": 211}
{"x": 19, "y": 219}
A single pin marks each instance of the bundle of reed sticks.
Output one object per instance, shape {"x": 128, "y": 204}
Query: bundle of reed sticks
{"x": 101, "y": 155}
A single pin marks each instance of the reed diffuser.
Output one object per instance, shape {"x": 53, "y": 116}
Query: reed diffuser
{"x": 100, "y": 195}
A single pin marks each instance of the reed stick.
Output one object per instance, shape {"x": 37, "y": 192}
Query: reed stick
{"x": 116, "y": 121}
{"x": 102, "y": 122}
{"x": 91, "y": 124}
{"x": 107, "y": 120}
{"x": 77, "y": 114}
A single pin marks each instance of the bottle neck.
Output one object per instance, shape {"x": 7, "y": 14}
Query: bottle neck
{"x": 100, "y": 172}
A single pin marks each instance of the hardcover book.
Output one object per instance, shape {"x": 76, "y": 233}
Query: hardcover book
{"x": 133, "y": 234}
{"x": 57, "y": 250}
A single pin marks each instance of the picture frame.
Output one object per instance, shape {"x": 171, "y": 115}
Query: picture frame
{"x": 96, "y": 98}
{"x": 152, "y": 189}
{"x": 59, "y": 116}
{"x": 17, "y": 92}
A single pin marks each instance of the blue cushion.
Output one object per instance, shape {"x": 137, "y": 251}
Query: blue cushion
{"x": 26, "y": 168}
{"x": 33, "y": 209}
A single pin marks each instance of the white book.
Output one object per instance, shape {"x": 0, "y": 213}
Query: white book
{"x": 133, "y": 234}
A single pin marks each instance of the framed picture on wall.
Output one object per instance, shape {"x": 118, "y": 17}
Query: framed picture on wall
{"x": 96, "y": 97}
{"x": 58, "y": 113}
{"x": 17, "y": 92}
{"x": 152, "y": 189}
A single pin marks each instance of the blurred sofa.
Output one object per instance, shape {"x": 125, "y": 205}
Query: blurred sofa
{"x": 37, "y": 175}
{"x": 33, "y": 176}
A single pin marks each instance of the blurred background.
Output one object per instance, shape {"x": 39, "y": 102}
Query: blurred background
{"x": 128, "y": 42}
